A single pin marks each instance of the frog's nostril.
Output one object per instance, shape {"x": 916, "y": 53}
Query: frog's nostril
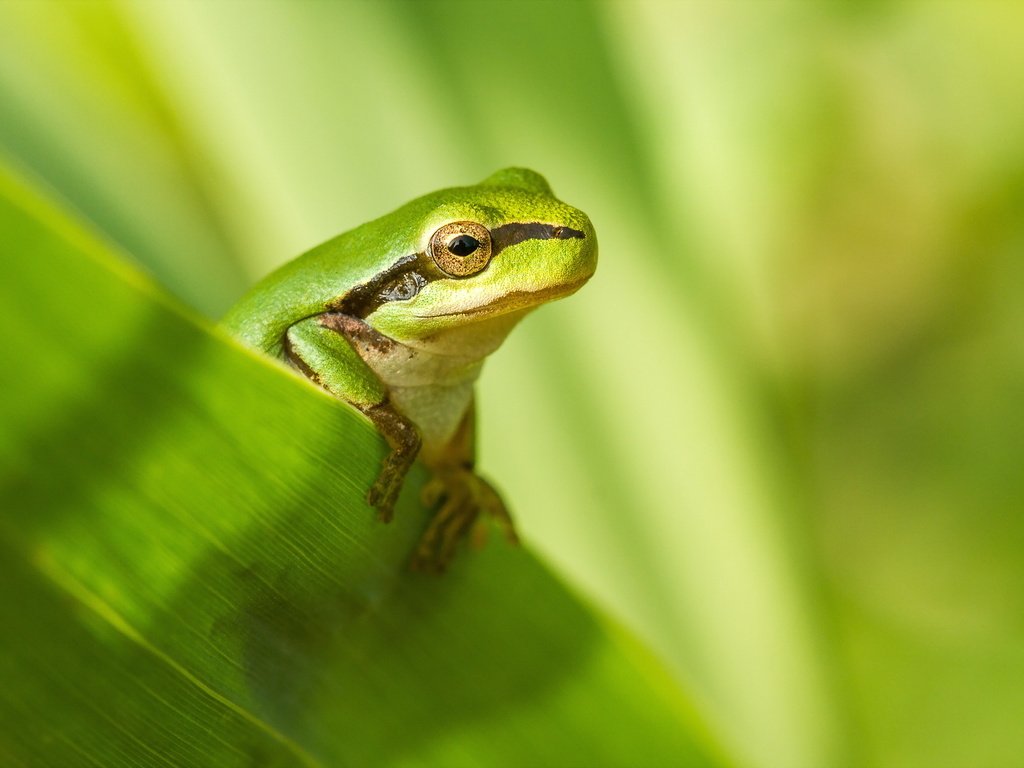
{"x": 562, "y": 232}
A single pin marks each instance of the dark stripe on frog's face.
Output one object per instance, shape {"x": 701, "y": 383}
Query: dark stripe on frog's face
{"x": 407, "y": 276}
{"x": 402, "y": 280}
{"x": 518, "y": 231}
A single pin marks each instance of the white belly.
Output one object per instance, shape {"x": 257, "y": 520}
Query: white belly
{"x": 437, "y": 411}
{"x": 433, "y": 390}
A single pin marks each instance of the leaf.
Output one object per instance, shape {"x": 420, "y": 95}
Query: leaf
{"x": 189, "y": 573}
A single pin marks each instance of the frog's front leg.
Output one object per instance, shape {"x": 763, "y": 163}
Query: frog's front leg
{"x": 460, "y": 496}
{"x": 325, "y": 348}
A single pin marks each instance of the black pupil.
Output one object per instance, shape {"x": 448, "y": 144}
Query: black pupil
{"x": 463, "y": 245}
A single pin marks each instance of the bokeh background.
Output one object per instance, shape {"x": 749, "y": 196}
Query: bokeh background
{"x": 780, "y": 433}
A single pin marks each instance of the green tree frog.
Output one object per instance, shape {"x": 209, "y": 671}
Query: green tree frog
{"x": 396, "y": 316}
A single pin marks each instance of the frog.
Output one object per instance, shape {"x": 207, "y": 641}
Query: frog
{"x": 396, "y": 317}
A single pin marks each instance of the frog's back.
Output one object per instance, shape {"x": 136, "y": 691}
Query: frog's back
{"x": 305, "y": 286}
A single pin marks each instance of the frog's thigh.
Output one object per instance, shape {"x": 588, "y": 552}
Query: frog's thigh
{"x": 326, "y": 357}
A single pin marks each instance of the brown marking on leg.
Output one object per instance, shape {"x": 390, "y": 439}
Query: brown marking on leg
{"x": 367, "y": 341}
{"x": 299, "y": 363}
{"x": 404, "y": 440}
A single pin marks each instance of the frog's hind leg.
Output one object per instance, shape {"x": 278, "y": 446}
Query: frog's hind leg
{"x": 462, "y": 495}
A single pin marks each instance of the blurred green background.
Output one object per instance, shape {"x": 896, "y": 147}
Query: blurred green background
{"x": 780, "y": 433}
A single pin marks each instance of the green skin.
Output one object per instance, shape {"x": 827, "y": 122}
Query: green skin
{"x": 397, "y": 321}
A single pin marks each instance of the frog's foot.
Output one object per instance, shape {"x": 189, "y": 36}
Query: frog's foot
{"x": 462, "y": 496}
{"x": 383, "y": 494}
{"x": 404, "y": 440}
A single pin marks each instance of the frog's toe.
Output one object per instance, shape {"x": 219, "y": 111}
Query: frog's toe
{"x": 382, "y": 496}
{"x": 440, "y": 541}
{"x": 433, "y": 491}
{"x": 491, "y": 503}
{"x": 463, "y": 497}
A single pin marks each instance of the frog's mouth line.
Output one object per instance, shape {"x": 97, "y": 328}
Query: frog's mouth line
{"x": 513, "y": 301}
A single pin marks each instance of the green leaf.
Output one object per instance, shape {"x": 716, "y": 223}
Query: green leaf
{"x": 189, "y": 573}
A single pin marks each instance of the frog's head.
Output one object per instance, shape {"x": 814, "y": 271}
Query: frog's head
{"x": 481, "y": 257}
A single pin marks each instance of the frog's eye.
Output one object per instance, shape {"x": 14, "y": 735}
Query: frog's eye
{"x": 461, "y": 248}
